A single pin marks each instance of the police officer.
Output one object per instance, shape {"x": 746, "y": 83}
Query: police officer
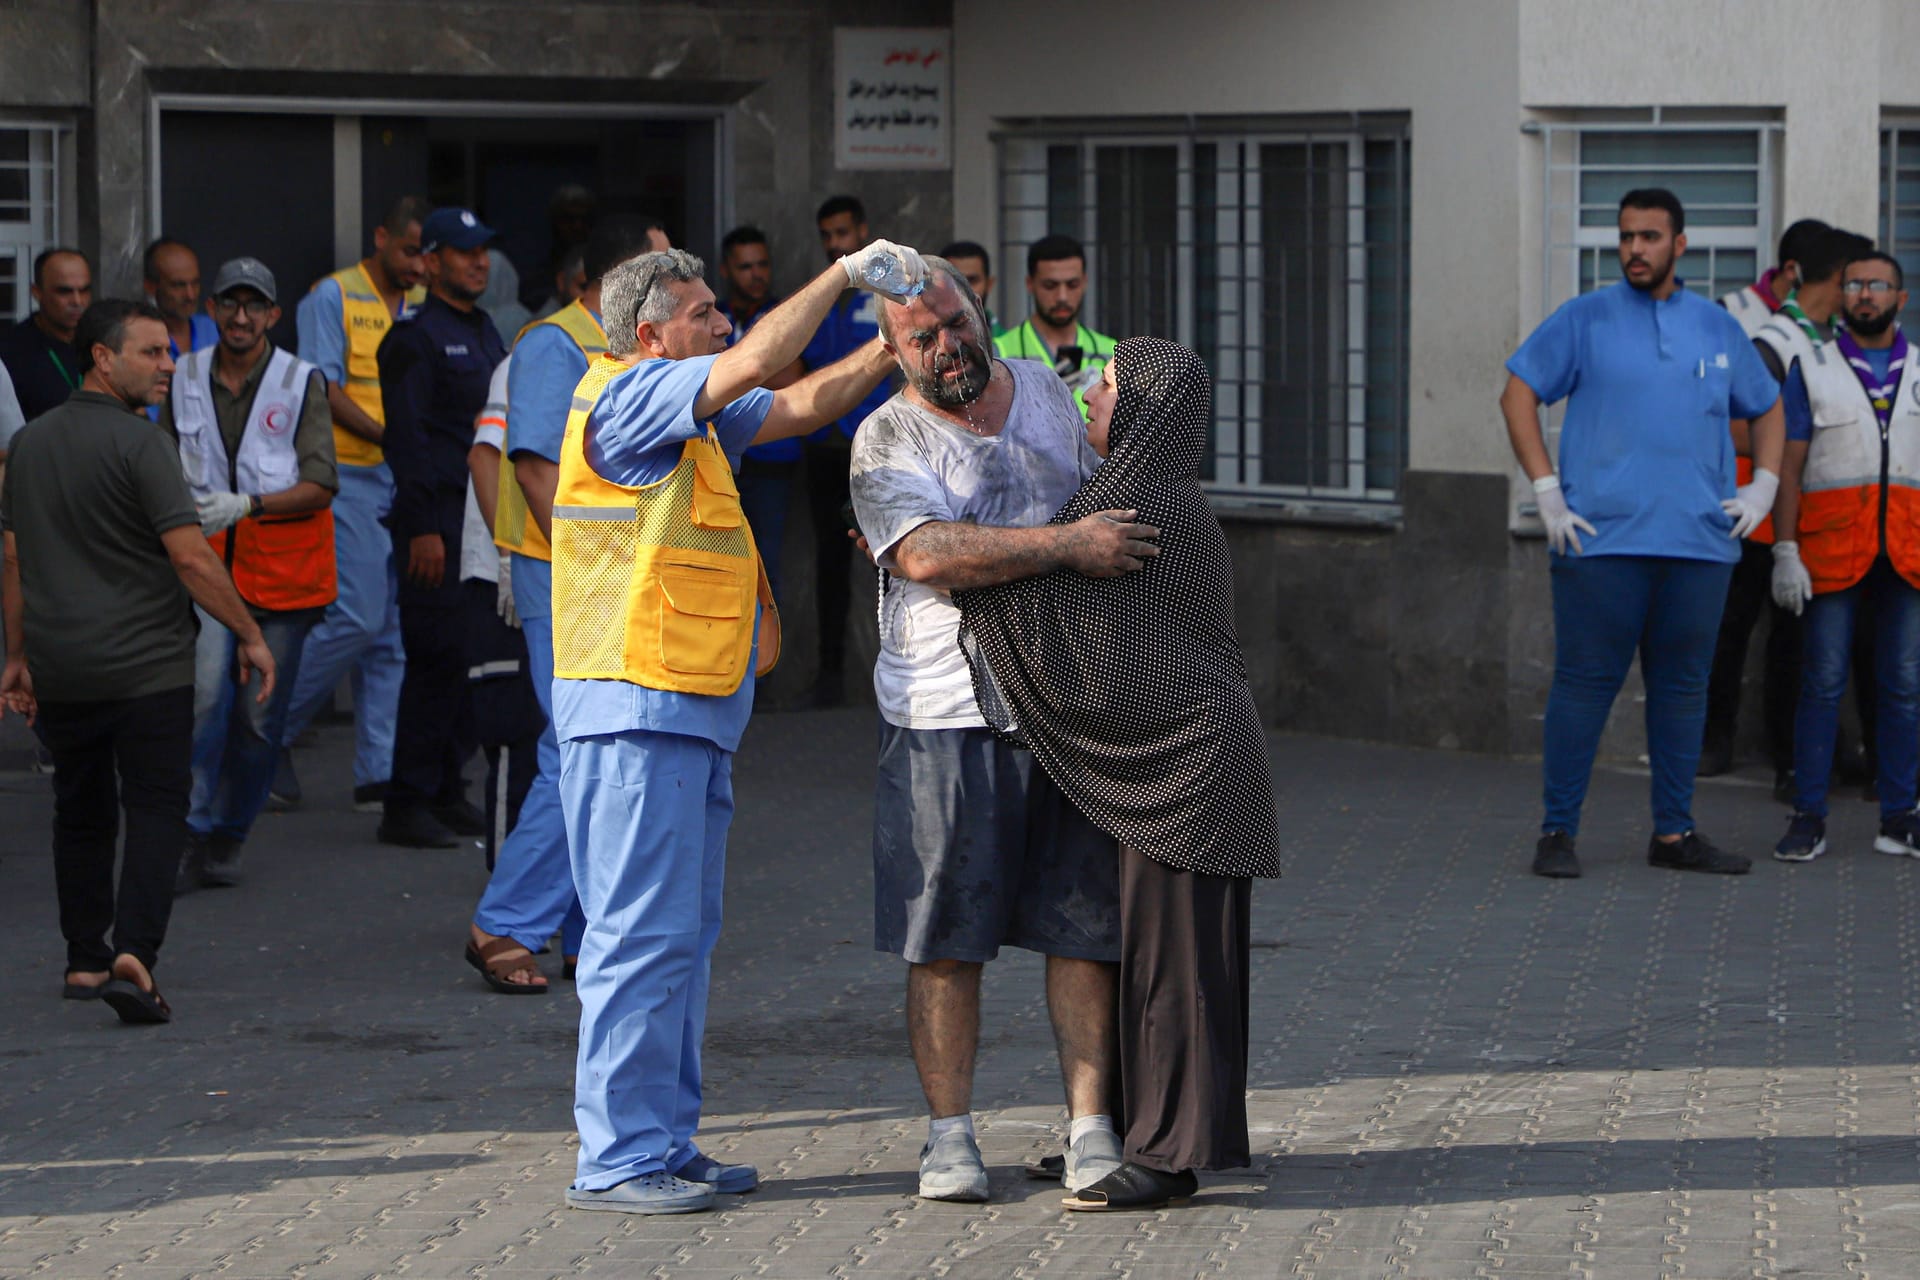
{"x": 434, "y": 369}
{"x": 530, "y": 893}
{"x": 1847, "y": 490}
{"x": 256, "y": 447}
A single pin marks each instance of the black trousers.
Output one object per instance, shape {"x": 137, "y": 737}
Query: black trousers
{"x": 1184, "y": 1024}
{"x": 130, "y": 755}
{"x": 827, "y": 465}
{"x": 1749, "y": 595}
{"x": 507, "y": 719}
{"x": 433, "y": 732}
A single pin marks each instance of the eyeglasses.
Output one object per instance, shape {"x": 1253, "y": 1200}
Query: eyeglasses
{"x": 1878, "y": 288}
{"x": 258, "y": 308}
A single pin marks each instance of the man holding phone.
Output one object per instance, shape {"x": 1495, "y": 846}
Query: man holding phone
{"x": 1053, "y": 334}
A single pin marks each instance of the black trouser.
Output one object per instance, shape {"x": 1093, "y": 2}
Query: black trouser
{"x": 1185, "y": 997}
{"x": 433, "y": 733}
{"x": 827, "y": 465}
{"x": 1749, "y": 594}
{"x": 131, "y": 754}
{"x": 506, "y": 714}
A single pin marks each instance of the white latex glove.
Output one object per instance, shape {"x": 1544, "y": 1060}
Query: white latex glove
{"x": 907, "y": 269}
{"x": 1560, "y": 520}
{"x": 1752, "y": 503}
{"x": 1792, "y": 584}
{"x": 220, "y": 511}
{"x": 503, "y": 594}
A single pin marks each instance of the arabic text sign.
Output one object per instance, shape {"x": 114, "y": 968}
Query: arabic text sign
{"x": 892, "y": 97}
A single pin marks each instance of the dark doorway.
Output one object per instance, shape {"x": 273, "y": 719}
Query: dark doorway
{"x": 251, "y": 185}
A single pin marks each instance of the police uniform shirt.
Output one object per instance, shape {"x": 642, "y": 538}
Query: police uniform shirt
{"x": 434, "y": 371}
{"x": 1646, "y": 449}
{"x": 635, "y": 435}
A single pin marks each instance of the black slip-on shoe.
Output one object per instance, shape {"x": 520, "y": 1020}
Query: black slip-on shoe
{"x": 413, "y": 828}
{"x": 1694, "y": 852}
{"x": 1553, "y": 857}
{"x": 462, "y": 817}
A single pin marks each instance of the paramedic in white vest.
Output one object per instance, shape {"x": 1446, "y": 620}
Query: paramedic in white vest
{"x": 256, "y": 445}
{"x": 1751, "y": 591}
{"x": 1850, "y": 488}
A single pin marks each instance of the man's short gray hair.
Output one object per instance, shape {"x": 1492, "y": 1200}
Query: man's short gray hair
{"x": 641, "y": 289}
{"x": 952, "y": 275}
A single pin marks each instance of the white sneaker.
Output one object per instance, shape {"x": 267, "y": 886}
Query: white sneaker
{"x": 951, "y": 1169}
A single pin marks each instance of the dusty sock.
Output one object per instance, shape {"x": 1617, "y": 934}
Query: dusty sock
{"x": 938, "y": 1129}
{"x": 1089, "y": 1124}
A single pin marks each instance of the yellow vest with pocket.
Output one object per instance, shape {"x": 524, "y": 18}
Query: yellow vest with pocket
{"x": 655, "y": 584}
{"x": 514, "y": 528}
{"x": 364, "y": 316}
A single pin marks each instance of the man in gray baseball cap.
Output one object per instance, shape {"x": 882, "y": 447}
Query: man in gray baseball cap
{"x": 256, "y": 443}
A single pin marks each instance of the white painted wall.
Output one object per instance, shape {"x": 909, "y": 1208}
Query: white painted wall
{"x": 1468, "y": 71}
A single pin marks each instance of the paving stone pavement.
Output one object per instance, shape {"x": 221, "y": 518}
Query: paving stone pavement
{"x": 1458, "y": 1069}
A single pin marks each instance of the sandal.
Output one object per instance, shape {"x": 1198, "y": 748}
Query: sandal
{"x": 71, "y": 990}
{"x": 1134, "y": 1187}
{"x": 136, "y": 1005}
{"x": 499, "y": 958}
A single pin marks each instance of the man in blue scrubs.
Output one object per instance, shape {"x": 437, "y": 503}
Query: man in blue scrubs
{"x": 646, "y": 772}
{"x": 530, "y": 893}
{"x": 1652, "y": 375}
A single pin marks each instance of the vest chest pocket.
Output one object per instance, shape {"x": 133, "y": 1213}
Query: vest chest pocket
{"x": 716, "y": 499}
{"x": 702, "y": 619}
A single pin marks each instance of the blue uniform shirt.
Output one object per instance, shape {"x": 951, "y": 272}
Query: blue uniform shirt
{"x": 1793, "y": 395}
{"x": 787, "y": 450}
{"x": 635, "y": 435}
{"x": 435, "y": 367}
{"x": 547, "y": 366}
{"x": 1646, "y": 454}
{"x": 853, "y": 322}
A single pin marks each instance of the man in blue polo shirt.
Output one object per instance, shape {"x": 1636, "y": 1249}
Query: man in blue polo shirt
{"x": 1652, "y": 375}
{"x": 851, "y": 325}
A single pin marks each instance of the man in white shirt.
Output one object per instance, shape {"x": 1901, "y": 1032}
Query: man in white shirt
{"x": 953, "y": 481}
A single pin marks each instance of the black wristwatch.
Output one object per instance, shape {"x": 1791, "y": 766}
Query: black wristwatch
{"x": 256, "y": 504}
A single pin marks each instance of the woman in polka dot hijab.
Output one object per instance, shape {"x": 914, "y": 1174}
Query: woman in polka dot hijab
{"x": 1132, "y": 693}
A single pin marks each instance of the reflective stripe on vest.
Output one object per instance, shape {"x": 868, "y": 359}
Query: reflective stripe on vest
{"x": 1840, "y": 492}
{"x": 277, "y": 562}
{"x": 655, "y": 584}
{"x": 364, "y": 316}
{"x": 1746, "y": 306}
{"x": 513, "y": 528}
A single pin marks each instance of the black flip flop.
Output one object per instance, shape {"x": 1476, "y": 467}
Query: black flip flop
{"x": 82, "y": 990}
{"x": 1132, "y": 1188}
{"x": 1048, "y": 1168}
{"x": 136, "y": 1007}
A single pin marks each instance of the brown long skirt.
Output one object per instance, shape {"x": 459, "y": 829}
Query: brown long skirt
{"x": 1183, "y": 1015}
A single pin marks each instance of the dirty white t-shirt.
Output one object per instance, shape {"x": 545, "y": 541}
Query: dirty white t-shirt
{"x": 911, "y": 467}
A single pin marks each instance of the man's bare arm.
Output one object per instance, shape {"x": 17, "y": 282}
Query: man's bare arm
{"x": 10, "y": 602}
{"x": 351, "y": 416}
{"x": 826, "y": 396}
{"x": 306, "y": 495}
{"x": 959, "y": 557}
{"x": 773, "y": 343}
{"x": 539, "y": 481}
{"x": 206, "y": 580}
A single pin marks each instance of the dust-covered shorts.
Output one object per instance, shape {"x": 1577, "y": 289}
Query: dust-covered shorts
{"x": 974, "y": 849}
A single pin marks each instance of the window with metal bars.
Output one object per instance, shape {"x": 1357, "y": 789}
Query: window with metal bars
{"x": 30, "y": 187}
{"x": 1900, "y": 208}
{"x": 1278, "y": 253}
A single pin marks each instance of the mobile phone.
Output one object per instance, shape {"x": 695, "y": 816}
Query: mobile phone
{"x": 848, "y": 518}
{"x": 1067, "y": 360}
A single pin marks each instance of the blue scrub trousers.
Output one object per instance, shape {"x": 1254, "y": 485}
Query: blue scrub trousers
{"x": 1604, "y": 609}
{"x": 360, "y": 633}
{"x": 530, "y": 893}
{"x": 236, "y": 739}
{"x": 647, "y": 818}
{"x": 1827, "y": 646}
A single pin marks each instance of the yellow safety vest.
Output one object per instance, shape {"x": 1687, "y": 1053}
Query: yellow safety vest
{"x": 513, "y": 528}
{"x": 655, "y": 584}
{"x": 366, "y": 319}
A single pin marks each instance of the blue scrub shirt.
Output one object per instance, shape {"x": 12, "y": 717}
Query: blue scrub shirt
{"x": 635, "y": 434}
{"x": 547, "y": 366}
{"x": 1646, "y": 454}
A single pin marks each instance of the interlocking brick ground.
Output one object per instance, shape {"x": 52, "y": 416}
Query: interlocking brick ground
{"x": 1458, "y": 1069}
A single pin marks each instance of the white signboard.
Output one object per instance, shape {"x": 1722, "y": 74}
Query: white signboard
{"x": 892, "y": 97}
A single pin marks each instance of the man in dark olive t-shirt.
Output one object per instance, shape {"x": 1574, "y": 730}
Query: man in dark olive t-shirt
{"x": 103, "y": 552}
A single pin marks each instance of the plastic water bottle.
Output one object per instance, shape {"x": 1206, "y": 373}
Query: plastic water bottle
{"x": 888, "y": 274}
